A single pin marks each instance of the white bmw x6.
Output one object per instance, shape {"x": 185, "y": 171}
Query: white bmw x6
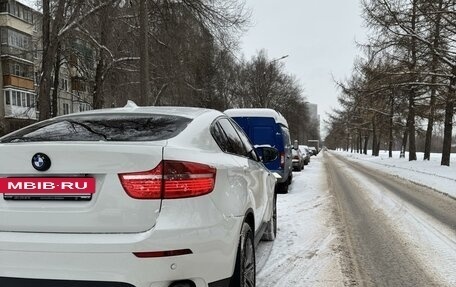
{"x": 133, "y": 197}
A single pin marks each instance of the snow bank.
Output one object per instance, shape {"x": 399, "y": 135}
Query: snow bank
{"x": 428, "y": 173}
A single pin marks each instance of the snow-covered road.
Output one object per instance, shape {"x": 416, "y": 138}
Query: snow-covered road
{"x": 344, "y": 224}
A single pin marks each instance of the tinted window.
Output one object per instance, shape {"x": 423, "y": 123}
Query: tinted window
{"x": 286, "y": 137}
{"x": 221, "y": 138}
{"x": 108, "y": 127}
{"x": 245, "y": 140}
{"x": 236, "y": 144}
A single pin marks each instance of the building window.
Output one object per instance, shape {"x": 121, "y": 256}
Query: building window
{"x": 17, "y": 69}
{"x": 19, "y": 98}
{"x": 16, "y": 39}
{"x": 20, "y": 11}
{"x": 84, "y": 107}
{"x": 66, "y": 108}
{"x": 14, "y": 98}
{"x": 12, "y": 67}
{"x": 24, "y": 99}
{"x": 37, "y": 78}
{"x": 64, "y": 84}
{"x": 7, "y": 97}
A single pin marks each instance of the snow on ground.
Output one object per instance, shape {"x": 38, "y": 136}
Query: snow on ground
{"x": 432, "y": 243}
{"x": 305, "y": 250}
{"x": 427, "y": 173}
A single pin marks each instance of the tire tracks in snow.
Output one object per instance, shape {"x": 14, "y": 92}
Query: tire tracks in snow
{"x": 371, "y": 205}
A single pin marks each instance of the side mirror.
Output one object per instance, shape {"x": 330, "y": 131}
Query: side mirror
{"x": 267, "y": 154}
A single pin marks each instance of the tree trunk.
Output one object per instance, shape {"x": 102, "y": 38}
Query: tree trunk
{"x": 374, "y": 136}
{"x": 431, "y": 115}
{"x": 105, "y": 31}
{"x": 448, "y": 130}
{"x": 404, "y": 142}
{"x": 144, "y": 96}
{"x": 391, "y": 126}
{"x": 98, "y": 97}
{"x": 412, "y": 94}
{"x": 430, "y": 125}
{"x": 411, "y": 125}
{"x": 50, "y": 46}
{"x": 44, "y": 104}
{"x": 446, "y": 150}
{"x": 55, "y": 92}
{"x": 359, "y": 142}
{"x": 347, "y": 145}
{"x": 366, "y": 142}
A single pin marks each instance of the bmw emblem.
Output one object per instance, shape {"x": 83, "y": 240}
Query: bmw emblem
{"x": 41, "y": 162}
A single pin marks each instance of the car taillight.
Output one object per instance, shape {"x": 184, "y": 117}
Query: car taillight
{"x": 170, "y": 180}
{"x": 282, "y": 159}
{"x": 296, "y": 157}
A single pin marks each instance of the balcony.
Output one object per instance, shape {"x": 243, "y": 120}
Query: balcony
{"x": 20, "y": 82}
{"x": 16, "y": 52}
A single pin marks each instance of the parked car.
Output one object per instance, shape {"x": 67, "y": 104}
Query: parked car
{"x": 267, "y": 127}
{"x": 305, "y": 153}
{"x": 133, "y": 196}
{"x": 313, "y": 150}
{"x": 298, "y": 160}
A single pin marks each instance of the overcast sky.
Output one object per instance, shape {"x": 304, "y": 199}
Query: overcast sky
{"x": 319, "y": 37}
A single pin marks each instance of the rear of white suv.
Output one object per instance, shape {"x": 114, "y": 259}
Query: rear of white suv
{"x": 168, "y": 206}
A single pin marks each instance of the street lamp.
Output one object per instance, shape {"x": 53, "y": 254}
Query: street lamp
{"x": 269, "y": 65}
{"x": 278, "y": 59}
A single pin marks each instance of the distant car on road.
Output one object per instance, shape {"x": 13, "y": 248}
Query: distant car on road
{"x": 134, "y": 196}
{"x": 298, "y": 160}
{"x": 313, "y": 150}
{"x": 305, "y": 153}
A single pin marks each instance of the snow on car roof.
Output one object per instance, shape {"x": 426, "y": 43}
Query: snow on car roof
{"x": 258, "y": 113}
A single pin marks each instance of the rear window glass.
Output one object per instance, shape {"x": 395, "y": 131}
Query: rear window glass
{"x": 106, "y": 127}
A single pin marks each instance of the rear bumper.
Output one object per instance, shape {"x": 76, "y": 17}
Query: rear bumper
{"x": 20, "y": 282}
{"x": 94, "y": 260}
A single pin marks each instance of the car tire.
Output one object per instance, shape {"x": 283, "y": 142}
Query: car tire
{"x": 271, "y": 229}
{"x": 282, "y": 187}
{"x": 245, "y": 271}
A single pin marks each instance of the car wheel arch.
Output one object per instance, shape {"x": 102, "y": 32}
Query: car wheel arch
{"x": 250, "y": 219}
{"x": 238, "y": 271}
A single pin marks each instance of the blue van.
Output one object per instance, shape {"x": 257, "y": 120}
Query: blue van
{"x": 267, "y": 127}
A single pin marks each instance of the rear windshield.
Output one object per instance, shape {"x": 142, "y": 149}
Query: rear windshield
{"x": 106, "y": 127}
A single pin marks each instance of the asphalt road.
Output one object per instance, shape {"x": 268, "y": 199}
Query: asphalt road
{"x": 375, "y": 250}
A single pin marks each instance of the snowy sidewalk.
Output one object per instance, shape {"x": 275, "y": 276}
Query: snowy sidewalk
{"x": 306, "y": 250}
{"x": 427, "y": 173}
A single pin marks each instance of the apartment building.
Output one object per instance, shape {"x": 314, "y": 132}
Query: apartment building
{"x": 17, "y": 86}
{"x": 20, "y": 57}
